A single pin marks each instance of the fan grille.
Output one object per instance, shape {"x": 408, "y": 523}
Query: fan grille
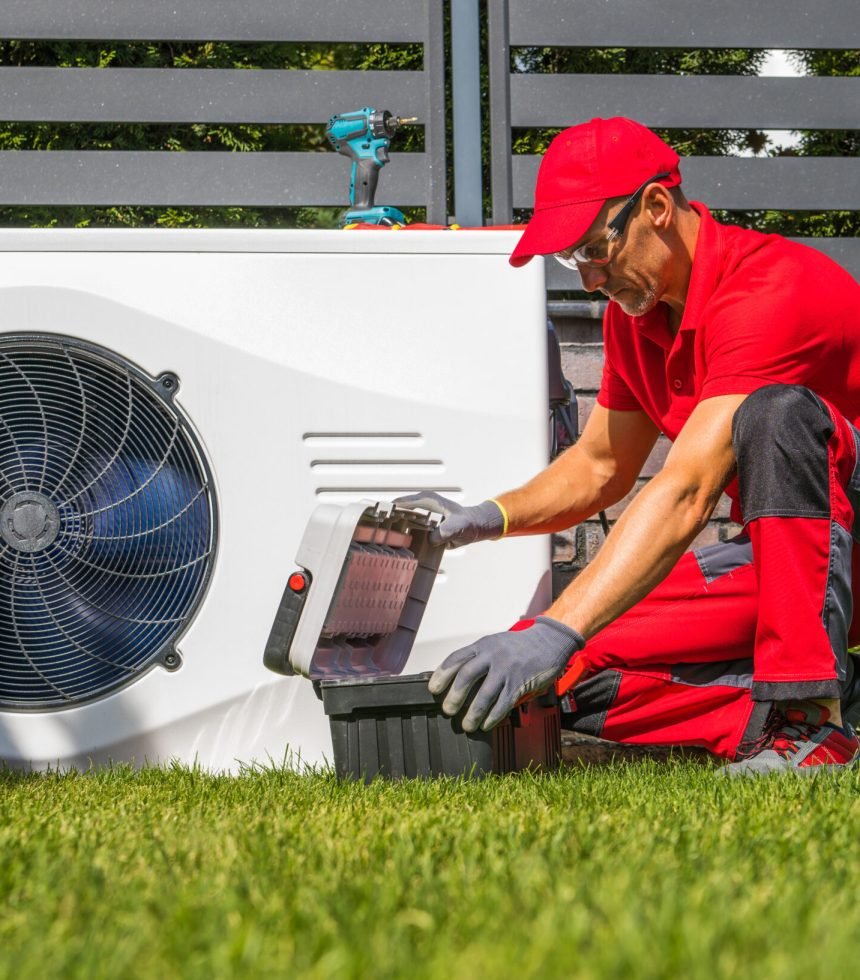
{"x": 107, "y": 522}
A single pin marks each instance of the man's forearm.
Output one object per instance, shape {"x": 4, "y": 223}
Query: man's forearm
{"x": 594, "y": 473}
{"x": 641, "y": 550}
{"x": 653, "y": 532}
{"x": 566, "y": 493}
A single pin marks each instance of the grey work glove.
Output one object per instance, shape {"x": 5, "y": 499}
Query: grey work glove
{"x": 506, "y": 666}
{"x": 462, "y": 525}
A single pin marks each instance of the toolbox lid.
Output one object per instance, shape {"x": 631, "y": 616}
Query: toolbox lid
{"x": 368, "y": 571}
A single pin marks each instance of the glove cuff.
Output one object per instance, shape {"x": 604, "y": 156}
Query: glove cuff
{"x": 490, "y": 519}
{"x": 577, "y": 639}
{"x": 505, "y": 518}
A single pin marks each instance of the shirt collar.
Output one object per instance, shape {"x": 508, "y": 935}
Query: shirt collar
{"x": 705, "y": 271}
{"x": 655, "y": 326}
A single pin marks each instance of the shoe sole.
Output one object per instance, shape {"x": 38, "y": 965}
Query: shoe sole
{"x": 748, "y": 772}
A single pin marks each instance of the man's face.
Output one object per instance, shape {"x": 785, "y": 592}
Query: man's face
{"x": 634, "y": 275}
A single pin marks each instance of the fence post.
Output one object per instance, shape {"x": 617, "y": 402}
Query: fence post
{"x": 466, "y": 84}
{"x": 499, "y": 63}
{"x": 436, "y": 153}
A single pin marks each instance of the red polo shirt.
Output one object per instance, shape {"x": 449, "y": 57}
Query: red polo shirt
{"x": 760, "y": 309}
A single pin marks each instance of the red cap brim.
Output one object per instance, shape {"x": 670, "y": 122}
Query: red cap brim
{"x": 555, "y": 229}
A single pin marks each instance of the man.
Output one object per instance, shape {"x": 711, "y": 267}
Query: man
{"x": 744, "y": 349}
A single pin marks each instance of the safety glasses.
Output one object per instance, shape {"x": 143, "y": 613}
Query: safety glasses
{"x": 596, "y": 252}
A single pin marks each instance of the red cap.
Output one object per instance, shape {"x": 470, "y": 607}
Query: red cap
{"x": 584, "y": 167}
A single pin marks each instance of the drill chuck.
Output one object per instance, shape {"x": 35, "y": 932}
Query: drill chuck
{"x": 383, "y": 124}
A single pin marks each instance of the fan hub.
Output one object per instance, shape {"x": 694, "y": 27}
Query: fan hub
{"x": 29, "y": 521}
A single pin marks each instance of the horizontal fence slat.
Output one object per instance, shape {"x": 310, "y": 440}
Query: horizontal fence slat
{"x": 157, "y": 95}
{"x": 845, "y": 251}
{"x": 214, "y": 20}
{"x": 716, "y": 101}
{"x": 686, "y": 23}
{"x": 98, "y": 178}
{"x": 742, "y": 184}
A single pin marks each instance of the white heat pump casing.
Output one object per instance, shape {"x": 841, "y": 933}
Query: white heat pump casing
{"x": 313, "y": 367}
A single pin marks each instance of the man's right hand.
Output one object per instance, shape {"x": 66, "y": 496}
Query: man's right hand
{"x": 461, "y": 525}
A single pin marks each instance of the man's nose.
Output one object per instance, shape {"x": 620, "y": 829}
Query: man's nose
{"x": 593, "y": 277}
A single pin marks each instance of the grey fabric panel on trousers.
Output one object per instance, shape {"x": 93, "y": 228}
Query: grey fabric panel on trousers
{"x": 681, "y": 24}
{"x": 853, "y": 488}
{"x": 838, "y": 600}
{"x": 203, "y": 95}
{"x": 687, "y": 101}
{"x": 738, "y": 183}
{"x": 593, "y": 698}
{"x": 780, "y": 436}
{"x": 214, "y": 20}
{"x": 258, "y": 179}
{"x": 730, "y": 673}
{"x": 845, "y": 251}
{"x": 720, "y": 559}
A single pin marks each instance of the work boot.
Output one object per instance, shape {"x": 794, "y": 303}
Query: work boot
{"x": 798, "y": 738}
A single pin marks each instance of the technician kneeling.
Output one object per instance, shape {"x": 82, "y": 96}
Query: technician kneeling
{"x": 744, "y": 349}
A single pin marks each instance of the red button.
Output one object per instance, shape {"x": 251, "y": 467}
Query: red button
{"x": 677, "y": 384}
{"x": 297, "y": 582}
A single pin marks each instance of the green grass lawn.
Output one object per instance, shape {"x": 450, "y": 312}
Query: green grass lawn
{"x": 642, "y": 870}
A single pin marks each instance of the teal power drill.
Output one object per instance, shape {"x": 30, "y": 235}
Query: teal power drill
{"x": 364, "y": 136}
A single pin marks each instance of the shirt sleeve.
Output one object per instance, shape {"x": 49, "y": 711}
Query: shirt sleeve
{"x": 614, "y": 392}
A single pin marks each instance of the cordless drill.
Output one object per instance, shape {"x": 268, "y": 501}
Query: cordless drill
{"x": 364, "y": 136}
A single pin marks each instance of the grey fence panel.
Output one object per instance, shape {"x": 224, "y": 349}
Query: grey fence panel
{"x": 218, "y": 96}
{"x": 193, "y": 179}
{"x": 149, "y": 95}
{"x": 680, "y": 23}
{"x": 846, "y": 251}
{"x": 687, "y": 101}
{"x": 214, "y": 20}
{"x": 716, "y": 102}
{"x": 745, "y": 184}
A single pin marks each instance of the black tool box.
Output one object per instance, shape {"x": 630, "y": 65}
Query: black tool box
{"x": 348, "y": 620}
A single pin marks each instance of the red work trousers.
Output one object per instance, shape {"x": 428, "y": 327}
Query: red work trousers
{"x": 740, "y": 624}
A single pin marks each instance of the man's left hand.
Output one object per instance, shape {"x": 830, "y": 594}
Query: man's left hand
{"x": 507, "y": 666}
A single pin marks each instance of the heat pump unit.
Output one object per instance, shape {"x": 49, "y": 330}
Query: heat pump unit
{"x": 174, "y": 405}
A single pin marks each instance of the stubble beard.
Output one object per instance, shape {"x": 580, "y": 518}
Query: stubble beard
{"x": 639, "y": 302}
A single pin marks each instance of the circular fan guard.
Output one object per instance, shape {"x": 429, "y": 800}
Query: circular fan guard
{"x": 107, "y": 522}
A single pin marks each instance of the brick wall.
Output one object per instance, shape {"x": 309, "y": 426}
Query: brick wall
{"x": 581, "y": 343}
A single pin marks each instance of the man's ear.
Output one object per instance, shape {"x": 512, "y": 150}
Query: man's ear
{"x": 660, "y": 206}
